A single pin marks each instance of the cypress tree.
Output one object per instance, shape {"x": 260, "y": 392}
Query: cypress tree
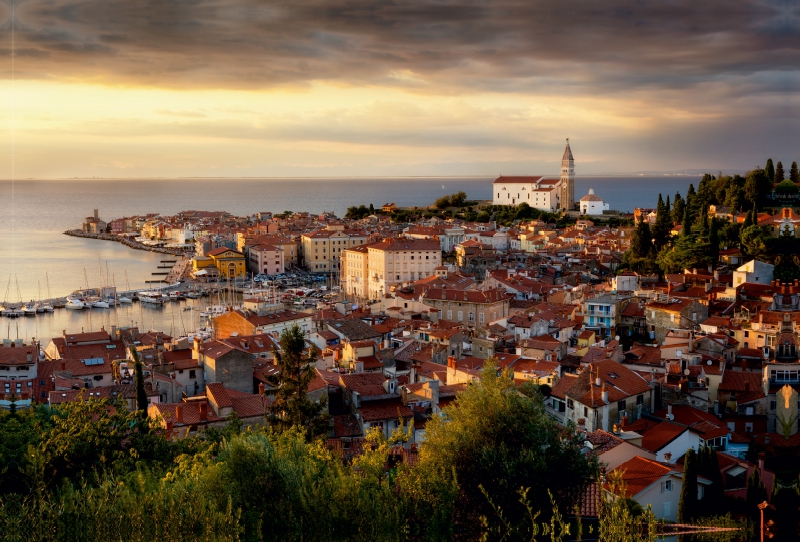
{"x": 713, "y": 239}
{"x": 141, "y": 393}
{"x": 687, "y": 506}
{"x": 748, "y": 220}
{"x": 794, "y": 174}
{"x": 642, "y": 241}
{"x": 687, "y": 221}
{"x": 779, "y": 175}
{"x": 756, "y": 493}
{"x": 678, "y": 208}
{"x": 769, "y": 169}
{"x": 663, "y": 224}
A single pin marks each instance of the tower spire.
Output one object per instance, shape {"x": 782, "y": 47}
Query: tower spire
{"x": 567, "y": 179}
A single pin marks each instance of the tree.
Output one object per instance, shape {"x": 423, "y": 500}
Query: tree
{"x": 779, "y": 174}
{"x": 757, "y": 185}
{"x": 794, "y": 175}
{"x": 497, "y": 440}
{"x": 686, "y": 223}
{"x": 769, "y": 169}
{"x": 443, "y": 202}
{"x": 754, "y": 241}
{"x": 141, "y": 393}
{"x": 291, "y": 406}
{"x": 756, "y": 492}
{"x": 642, "y": 240}
{"x": 678, "y": 208}
{"x": 713, "y": 239}
{"x": 663, "y": 225}
{"x": 458, "y": 199}
{"x": 687, "y": 506}
{"x": 708, "y": 467}
{"x": 371, "y": 209}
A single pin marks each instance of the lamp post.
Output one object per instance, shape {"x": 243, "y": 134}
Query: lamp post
{"x": 761, "y": 507}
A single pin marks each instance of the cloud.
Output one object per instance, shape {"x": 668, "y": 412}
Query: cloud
{"x": 565, "y": 47}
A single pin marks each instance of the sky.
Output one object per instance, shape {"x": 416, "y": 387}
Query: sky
{"x": 249, "y": 88}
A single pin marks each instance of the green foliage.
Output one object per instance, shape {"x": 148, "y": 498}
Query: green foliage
{"x": 754, "y": 241}
{"x": 779, "y": 173}
{"x": 497, "y": 439}
{"x": 757, "y": 185}
{"x": 713, "y": 495}
{"x": 291, "y": 407}
{"x": 687, "y": 506}
{"x": 663, "y": 225}
{"x": 459, "y": 199}
{"x": 756, "y": 493}
{"x": 141, "y": 393}
{"x": 794, "y": 175}
{"x": 787, "y": 187}
{"x": 357, "y": 213}
{"x": 769, "y": 169}
{"x": 678, "y": 209}
{"x": 642, "y": 240}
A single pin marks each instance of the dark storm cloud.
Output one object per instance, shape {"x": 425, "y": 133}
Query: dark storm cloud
{"x": 565, "y": 46}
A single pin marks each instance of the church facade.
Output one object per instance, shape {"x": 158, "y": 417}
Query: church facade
{"x": 540, "y": 192}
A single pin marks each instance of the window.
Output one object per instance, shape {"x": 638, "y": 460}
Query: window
{"x": 192, "y": 373}
{"x": 480, "y": 318}
{"x": 570, "y": 404}
{"x": 460, "y": 316}
{"x": 585, "y": 412}
{"x": 639, "y": 399}
{"x": 667, "y": 509}
{"x": 621, "y": 405}
{"x": 772, "y": 405}
{"x": 666, "y": 486}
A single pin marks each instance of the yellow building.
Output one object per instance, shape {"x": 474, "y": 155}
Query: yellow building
{"x": 230, "y": 263}
{"x": 323, "y": 249}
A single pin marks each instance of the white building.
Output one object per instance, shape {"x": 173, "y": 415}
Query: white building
{"x": 592, "y": 204}
{"x": 395, "y": 261}
{"x": 753, "y": 272}
{"x": 540, "y": 192}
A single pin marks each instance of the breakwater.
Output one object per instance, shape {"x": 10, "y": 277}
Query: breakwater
{"x": 125, "y": 241}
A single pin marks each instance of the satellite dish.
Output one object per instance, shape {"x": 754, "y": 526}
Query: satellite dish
{"x": 708, "y": 362}
{"x": 616, "y": 337}
{"x": 679, "y": 353}
{"x": 686, "y": 372}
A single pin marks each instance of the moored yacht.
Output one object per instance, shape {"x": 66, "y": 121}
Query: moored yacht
{"x": 152, "y": 298}
{"x": 75, "y": 304}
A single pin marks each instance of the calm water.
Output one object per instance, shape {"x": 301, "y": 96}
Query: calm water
{"x": 36, "y": 213}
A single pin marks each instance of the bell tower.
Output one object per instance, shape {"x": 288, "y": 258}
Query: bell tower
{"x": 567, "y": 179}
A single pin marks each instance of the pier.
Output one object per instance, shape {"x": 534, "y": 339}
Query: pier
{"x": 125, "y": 241}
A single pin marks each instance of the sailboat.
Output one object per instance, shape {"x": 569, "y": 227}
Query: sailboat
{"x": 46, "y": 305}
{"x": 125, "y": 300}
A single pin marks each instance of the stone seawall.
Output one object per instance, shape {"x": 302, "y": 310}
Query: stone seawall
{"x": 125, "y": 241}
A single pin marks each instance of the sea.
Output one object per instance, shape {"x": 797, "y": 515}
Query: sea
{"x": 38, "y": 261}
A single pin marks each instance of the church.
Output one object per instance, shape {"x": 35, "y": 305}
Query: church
{"x": 540, "y": 192}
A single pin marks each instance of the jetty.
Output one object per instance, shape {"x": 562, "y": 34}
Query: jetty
{"x": 131, "y": 243}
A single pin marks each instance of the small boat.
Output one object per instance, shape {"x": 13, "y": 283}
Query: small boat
{"x": 152, "y": 298}
{"x": 124, "y": 300}
{"x": 100, "y": 304}
{"x": 75, "y": 304}
{"x": 47, "y": 307}
{"x": 29, "y": 309}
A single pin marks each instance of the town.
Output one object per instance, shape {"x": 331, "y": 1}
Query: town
{"x": 681, "y": 383}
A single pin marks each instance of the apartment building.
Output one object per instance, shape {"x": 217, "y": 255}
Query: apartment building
{"x": 392, "y": 262}
{"x": 322, "y": 249}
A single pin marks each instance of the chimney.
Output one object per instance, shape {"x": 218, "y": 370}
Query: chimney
{"x": 412, "y": 374}
{"x": 669, "y": 412}
{"x": 261, "y": 388}
{"x": 624, "y": 420}
{"x": 597, "y": 381}
{"x": 668, "y": 457}
{"x": 203, "y": 411}
{"x": 761, "y": 456}
{"x": 604, "y": 393}
{"x": 179, "y": 414}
